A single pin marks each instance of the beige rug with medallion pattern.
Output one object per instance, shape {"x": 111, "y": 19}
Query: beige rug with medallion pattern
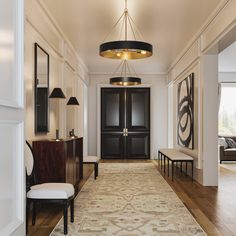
{"x": 129, "y": 199}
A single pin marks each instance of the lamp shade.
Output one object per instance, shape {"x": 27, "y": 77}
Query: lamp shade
{"x": 57, "y": 93}
{"x": 73, "y": 101}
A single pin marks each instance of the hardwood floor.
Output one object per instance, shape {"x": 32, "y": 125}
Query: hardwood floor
{"x": 213, "y": 208}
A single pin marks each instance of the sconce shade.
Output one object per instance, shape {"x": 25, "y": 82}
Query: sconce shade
{"x": 57, "y": 93}
{"x": 73, "y": 101}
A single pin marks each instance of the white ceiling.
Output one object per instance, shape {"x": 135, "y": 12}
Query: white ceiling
{"x": 227, "y": 59}
{"x": 167, "y": 24}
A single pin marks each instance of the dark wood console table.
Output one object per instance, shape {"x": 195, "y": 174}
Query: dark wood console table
{"x": 59, "y": 161}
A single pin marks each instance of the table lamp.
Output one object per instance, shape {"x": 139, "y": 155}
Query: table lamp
{"x": 72, "y": 102}
{"x": 57, "y": 93}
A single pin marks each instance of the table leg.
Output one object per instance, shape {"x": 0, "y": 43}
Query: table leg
{"x": 181, "y": 166}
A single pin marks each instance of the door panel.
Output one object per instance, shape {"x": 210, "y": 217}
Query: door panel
{"x": 112, "y": 110}
{"x": 113, "y": 145}
{"x": 138, "y": 145}
{"x": 138, "y": 109}
{"x": 125, "y": 123}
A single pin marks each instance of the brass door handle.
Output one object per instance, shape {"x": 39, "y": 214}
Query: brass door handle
{"x": 125, "y": 132}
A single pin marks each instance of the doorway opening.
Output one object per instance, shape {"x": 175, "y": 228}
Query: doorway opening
{"x": 227, "y": 108}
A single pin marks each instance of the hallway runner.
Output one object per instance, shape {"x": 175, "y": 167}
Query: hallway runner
{"x": 129, "y": 199}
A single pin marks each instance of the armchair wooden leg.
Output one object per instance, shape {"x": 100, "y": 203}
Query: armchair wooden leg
{"x": 65, "y": 217}
{"x": 72, "y": 210}
{"x": 34, "y": 212}
{"x": 27, "y": 214}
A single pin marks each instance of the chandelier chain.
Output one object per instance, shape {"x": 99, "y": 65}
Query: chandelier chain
{"x": 132, "y": 29}
{"x": 137, "y": 29}
{"x": 117, "y": 22}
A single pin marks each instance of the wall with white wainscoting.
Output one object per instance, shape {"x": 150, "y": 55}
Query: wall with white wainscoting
{"x": 67, "y": 71}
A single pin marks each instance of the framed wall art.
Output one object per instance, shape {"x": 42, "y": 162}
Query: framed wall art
{"x": 185, "y": 103}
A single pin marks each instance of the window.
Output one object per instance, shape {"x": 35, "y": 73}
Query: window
{"x": 227, "y": 112}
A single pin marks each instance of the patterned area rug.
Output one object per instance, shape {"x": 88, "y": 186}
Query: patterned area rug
{"x": 129, "y": 199}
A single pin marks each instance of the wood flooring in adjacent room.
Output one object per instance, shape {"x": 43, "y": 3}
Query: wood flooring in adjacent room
{"x": 214, "y": 208}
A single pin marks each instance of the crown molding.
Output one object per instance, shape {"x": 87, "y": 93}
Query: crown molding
{"x": 208, "y": 21}
{"x": 118, "y": 74}
{"x": 42, "y": 5}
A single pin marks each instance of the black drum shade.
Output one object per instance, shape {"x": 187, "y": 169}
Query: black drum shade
{"x": 126, "y": 50}
{"x": 125, "y": 81}
{"x": 73, "y": 101}
{"x": 57, "y": 93}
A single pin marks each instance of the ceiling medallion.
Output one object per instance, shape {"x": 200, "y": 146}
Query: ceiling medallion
{"x": 125, "y": 49}
{"x": 125, "y": 78}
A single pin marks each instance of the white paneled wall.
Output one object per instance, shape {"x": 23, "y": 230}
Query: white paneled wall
{"x": 66, "y": 71}
{"x": 197, "y": 58}
{"x": 12, "y": 173}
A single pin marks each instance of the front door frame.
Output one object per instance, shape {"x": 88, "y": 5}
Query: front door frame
{"x": 99, "y": 87}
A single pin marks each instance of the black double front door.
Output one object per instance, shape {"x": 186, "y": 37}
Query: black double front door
{"x": 125, "y": 123}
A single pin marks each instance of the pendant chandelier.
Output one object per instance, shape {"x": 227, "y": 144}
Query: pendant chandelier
{"x": 125, "y": 49}
{"x": 126, "y": 78}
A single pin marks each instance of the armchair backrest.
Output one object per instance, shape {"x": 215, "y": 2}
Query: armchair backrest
{"x": 29, "y": 166}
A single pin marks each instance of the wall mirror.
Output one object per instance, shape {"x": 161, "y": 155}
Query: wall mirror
{"x": 41, "y": 77}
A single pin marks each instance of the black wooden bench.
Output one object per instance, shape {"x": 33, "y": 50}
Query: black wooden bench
{"x": 174, "y": 156}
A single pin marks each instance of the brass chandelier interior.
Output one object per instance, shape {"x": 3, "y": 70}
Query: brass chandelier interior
{"x": 127, "y": 77}
{"x": 125, "y": 49}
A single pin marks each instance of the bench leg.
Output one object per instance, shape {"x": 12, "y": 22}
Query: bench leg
{"x": 164, "y": 164}
{"x": 192, "y": 170}
{"x": 181, "y": 166}
{"x": 95, "y": 170}
{"x": 168, "y": 162}
{"x": 161, "y": 160}
{"x": 186, "y": 168}
{"x": 172, "y": 165}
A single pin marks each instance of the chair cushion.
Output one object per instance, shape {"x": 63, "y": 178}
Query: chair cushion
{"x": 92, "y": 159}
{"x": 230, "y": 152}
{"x": 51, "y": 191}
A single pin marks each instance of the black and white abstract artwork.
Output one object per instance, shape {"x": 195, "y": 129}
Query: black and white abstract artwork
{"x": 185, "y": 129}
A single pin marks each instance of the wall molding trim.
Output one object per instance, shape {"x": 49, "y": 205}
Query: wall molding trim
{"x": 222, "y": 5}
{"x": 66, "y": 43}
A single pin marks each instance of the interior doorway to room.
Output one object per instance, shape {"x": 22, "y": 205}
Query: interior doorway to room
{"x": 125, "y": 123}
{"x": 227, "y": 108}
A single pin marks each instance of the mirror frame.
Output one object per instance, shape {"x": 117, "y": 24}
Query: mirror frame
{"x": 37, "y": 130}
